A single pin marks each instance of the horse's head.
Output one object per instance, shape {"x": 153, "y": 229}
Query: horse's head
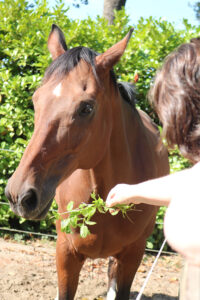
{"x": 73, "y": 123}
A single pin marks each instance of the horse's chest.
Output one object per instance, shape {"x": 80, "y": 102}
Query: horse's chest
{"x": 111, "y": 234}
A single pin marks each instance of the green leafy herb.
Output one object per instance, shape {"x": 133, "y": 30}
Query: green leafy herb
{"x": 81, "y": 216}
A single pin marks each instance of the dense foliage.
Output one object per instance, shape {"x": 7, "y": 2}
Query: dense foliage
{"x": 24, "y": 30}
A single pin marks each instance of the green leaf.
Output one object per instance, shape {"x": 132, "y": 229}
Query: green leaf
{"x": 73, "y": 221}
{"x": 93, "y": 195}
{"x": 149, "y": 245}
{"x": 22, "y": 220}
{"x": 91, "y": 212}
{"x": 70, "y": 206}
{"x": 113, "y": 212}
{"x": 101, "y": 210}
{"x": 90, "y": 222}
{"x": 84, "y": 231}
{"x": 65, "y": 225}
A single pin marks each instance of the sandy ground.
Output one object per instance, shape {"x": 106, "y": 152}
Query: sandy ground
{"x": 28, "y": 272}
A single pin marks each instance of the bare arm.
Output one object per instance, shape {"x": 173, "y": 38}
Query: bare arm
{"x": 157, "y": 191}
{"x": 181, "y": 192}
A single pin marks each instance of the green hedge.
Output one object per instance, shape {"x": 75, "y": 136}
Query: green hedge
{"x": 24, "y": 30}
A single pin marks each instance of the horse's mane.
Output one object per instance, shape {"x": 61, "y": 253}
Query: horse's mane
{"x": 128, "y": 92}
{"x": 69, "y": 60}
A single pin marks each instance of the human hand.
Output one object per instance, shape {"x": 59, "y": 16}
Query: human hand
{"x": 122, "y": 194}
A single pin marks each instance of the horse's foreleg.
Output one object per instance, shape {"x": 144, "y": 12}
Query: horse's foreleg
{"x": 68, "y": 264}
{"x": 122, "y": 270}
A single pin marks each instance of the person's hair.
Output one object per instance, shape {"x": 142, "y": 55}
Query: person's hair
{"x": 175, "y": 96}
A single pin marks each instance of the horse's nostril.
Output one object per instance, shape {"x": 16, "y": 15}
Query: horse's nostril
{"x": 29, "y": 200}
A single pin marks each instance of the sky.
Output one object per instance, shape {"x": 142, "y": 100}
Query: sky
{"x": 170, "y": 10}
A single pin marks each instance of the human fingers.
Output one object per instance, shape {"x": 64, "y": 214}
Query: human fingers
{"x": 118, "y": 195}
{"x": 110, "y": 201}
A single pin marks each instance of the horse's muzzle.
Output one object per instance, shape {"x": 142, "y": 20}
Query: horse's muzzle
{"x": 27, "y": 204}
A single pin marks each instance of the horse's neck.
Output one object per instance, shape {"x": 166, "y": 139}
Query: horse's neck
{"x": 117, "y": 163}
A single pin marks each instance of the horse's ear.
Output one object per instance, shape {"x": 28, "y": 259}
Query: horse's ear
{"x": 56, "y": 42}
{"x": 109, "y": 58}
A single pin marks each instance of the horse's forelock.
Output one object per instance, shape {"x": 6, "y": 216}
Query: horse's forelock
{"x": 68, "y": 61}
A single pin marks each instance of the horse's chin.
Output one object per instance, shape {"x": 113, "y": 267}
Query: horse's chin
{"x": 43, "y": 214}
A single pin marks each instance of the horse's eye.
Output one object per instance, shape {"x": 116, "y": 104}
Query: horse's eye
{"x": 85, "y": 109}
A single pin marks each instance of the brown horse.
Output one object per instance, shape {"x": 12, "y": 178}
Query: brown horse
{"x": 88, "y": 137}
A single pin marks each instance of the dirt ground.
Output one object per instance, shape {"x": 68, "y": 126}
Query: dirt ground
{"x": 28, "y": 272}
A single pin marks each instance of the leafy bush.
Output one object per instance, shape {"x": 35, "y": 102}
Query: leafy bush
{"x": 24, "y": 30}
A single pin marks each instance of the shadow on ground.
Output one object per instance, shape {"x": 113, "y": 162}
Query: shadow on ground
{"x": 134, "y": 295}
